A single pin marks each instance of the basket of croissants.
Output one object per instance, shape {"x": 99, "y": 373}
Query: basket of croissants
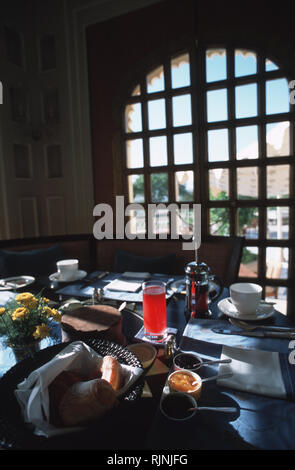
{"x": 73, "y": 389}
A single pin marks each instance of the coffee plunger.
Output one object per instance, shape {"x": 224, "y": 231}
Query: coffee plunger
{"x": 198, "y": 290}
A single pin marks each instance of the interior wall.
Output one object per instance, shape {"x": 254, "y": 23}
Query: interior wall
{"x": 116, "y": 50}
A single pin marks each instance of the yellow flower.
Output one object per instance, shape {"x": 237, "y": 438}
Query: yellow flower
{"x": 41, "y": 331}
{"x": 45, "y": 300}
{"x": 20, "y": 313}
{"x": 52, "y": 312}
{"x": 24, "y": 297}
{"x": 2, "y": 310}
{"x": 27, "y": 299}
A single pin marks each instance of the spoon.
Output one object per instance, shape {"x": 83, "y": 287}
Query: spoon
{"x": 225, "y": 409}
{"x": 217, "y": 361}
{"x": 214, "y": 377}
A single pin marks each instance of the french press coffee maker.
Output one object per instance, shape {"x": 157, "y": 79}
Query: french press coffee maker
{"x": 202, "y": 288}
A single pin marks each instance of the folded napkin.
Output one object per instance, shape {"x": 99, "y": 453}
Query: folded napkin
{"x": 128, "y": 282}
{"x": 262, "y": 372}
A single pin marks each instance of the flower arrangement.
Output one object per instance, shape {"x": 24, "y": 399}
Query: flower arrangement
{"x": 27, "y": 318}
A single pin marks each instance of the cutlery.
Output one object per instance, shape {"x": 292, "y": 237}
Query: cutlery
{"x": 88, "y": 282}
{"x": 215, "y": 377}
{"x": 251, "y": 327}
{"x": 122, "y": 306}
{"x": 217, "y": 361}
{"x": 224, "y": 409}
{"x": 256, "y": 334}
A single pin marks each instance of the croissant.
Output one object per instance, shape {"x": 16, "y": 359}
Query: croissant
{"x": 86, "y": 401}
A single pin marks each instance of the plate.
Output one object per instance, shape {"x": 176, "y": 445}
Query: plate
{"x": 16, "y": 434}
{"x": 78, "y": 276}
{"x": 227, "y": 308}
{"x": 178, "y": 286}
{"x": 146, "y": 353}
{"x": 16, "y": 282}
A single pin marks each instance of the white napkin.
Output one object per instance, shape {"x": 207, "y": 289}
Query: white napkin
{"x": 32, "y": 394}
{"x": 253, "y": 371}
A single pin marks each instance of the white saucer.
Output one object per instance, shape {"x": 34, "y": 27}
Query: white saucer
{"x": 78, "y": 276}
{"x": 16, "y": 282}
{"x": 262, "y": 312}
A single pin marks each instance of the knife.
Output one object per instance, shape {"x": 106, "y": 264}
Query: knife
{"x": 255, "y": 334}
{"x": 88, "y": 282}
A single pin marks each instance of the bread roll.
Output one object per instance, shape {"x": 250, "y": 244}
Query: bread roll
{"x": 57, "y": 389}
{"x": 86, "y": 401}
{"x": 111, "y": 371}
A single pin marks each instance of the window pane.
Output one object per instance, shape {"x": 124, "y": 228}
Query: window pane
{"x": 218, "y": 145}
{"x": 249, "y": 262}
{"x": 183, "y": 148}
{"x": 156, "y": 114}
{"x": 180, "y": 71}
{"x": 246, "y": 100}
{"x": 277, "y": 262}
{"x": 269, "y": 65}
{"x": 245, "y": 63}
{"x": 185, "y": 221}
{"x": 277, "y": 96}
{"x": 247, "y": 142}
{"x": 136, "y": 223}
{"x": 217, "y": 105}
{"x": 158, "y": 151}
{"x": 134, "y": 151}
{"x": 278, "y": 222}
{"x": 184, "y": 186}
{"x": 218, "y": 184}
{"x": 133, "y": 118}
{"x": 248, "y": 222}
{"x": 136, "y": 188}
{"x": 159, "y": 186}
{"x": 155, "y": 80}
{"x": 247, "y": 182}
{"x": 215, "y": 65}
{"x": 136, "y": 91}
{"x": 278, "y": 181}
{"x": 219, "y": 221}
{"x": 161, "y": 221}
{"x": 278, "y": 139}
{"x": 181, "y": 108}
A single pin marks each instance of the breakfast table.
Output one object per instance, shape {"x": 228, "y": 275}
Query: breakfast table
{"x": 265, "y": 417}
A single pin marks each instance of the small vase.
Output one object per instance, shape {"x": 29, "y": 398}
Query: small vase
{"x": 23, "y": 351}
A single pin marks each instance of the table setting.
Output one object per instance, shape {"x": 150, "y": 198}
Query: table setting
{"x": 215, "y": 371}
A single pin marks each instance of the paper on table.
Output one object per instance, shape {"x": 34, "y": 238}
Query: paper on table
{"x": 128, "y": 282}
{"x": 253, "y": 371}
{"x": 32, "y": 394}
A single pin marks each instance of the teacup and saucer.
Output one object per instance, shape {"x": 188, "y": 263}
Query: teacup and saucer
{"x": 245, "y": 302}
{"x": 67, "y": 271}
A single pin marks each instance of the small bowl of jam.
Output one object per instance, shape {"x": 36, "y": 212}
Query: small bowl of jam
{"x": 185, "y": 381}
{"x": 178, "y": 406}
{"x": 187, "y": 361}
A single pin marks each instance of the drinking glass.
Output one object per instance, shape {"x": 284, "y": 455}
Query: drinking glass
{"x": 154, "y": 310}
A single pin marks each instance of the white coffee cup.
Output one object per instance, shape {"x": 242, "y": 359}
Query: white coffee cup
{"x": 67, "y": 269}
{"x": 246, "y": 297}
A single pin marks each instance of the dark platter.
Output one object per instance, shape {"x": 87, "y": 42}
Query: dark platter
{"x": 16, "y": 434}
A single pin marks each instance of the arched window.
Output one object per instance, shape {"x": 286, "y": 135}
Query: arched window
{"x": 215, "y": 126}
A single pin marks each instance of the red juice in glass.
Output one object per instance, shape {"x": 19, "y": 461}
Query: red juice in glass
{"x": 154, "y": 310}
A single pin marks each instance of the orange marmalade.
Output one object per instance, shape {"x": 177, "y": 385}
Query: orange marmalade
{"x": 184, "y": 382}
